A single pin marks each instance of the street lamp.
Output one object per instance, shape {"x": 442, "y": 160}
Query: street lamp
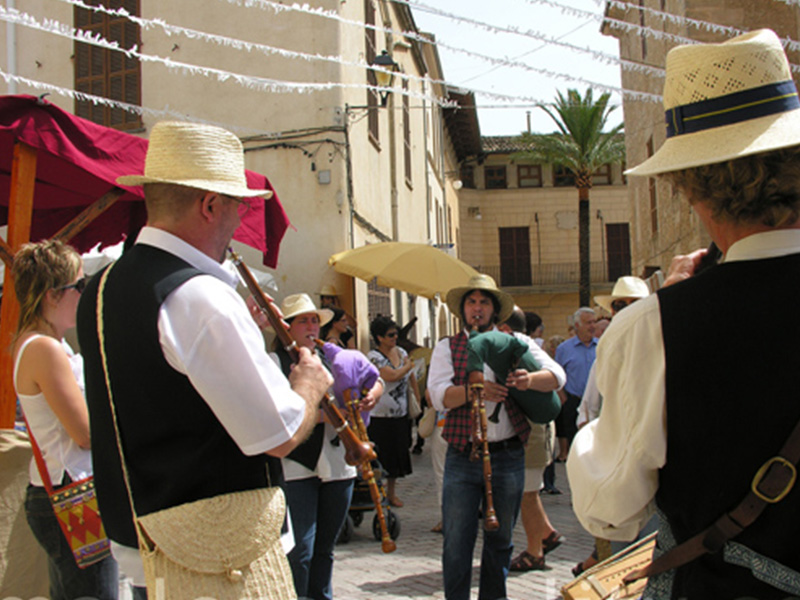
{"x": 384, "y": 76}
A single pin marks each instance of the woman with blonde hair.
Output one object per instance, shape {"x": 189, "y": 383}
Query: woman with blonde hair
{"x": 48, "y": 380}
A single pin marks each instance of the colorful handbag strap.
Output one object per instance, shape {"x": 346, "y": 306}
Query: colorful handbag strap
{"x": 37, "y": 455}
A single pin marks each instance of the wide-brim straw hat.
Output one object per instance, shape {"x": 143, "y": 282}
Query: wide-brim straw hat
{"x": 725, "y": 101}
{"x": 486, "y": 284}
{"x": 328, "y": 290}
{"x": 625, "y": 287}
{"x": 301, "y": 304}
{"x": 198, "y": 156}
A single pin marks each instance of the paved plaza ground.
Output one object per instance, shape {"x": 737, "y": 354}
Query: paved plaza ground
{"x": 414, "y": 570}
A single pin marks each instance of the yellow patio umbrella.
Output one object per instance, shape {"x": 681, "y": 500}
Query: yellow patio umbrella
{"x": 414, "y": 268}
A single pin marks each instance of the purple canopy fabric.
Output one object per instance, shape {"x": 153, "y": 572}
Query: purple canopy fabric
{"x": 78, "y": 161}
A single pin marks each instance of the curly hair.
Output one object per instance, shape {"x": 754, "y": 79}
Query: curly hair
{"x": 37, "y": 268}
{"x": 380, "y": 325}
{"x": 761, "y": 189}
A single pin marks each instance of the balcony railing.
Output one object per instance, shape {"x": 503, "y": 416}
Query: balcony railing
{"x": 547, "y": 274}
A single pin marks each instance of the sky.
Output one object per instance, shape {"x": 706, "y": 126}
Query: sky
{"x": 549, "y": 18}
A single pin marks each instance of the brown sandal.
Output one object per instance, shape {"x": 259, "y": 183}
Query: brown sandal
{"x": 528, "y": 562}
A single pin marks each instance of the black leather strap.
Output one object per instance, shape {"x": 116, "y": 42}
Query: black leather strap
{"x": 773, "y": 481}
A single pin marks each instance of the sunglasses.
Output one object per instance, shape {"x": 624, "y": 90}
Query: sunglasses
{"x": 392, "y": 334}
{"x": 78, "y": 286}
{"x": 618, "y": 305}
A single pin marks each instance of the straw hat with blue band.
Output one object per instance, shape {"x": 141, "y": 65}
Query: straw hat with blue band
{"x": 724, "y": 101}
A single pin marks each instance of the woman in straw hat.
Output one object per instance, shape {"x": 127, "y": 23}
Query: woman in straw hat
{"x": 678, "y": 389}
{"x": 318, "y": 481}
{"x": 48, "y": 281}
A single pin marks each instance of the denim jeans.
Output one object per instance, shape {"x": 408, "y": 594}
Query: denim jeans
{"x": 99, "y": 581}
{"x": 463, "y": 497}
{"x": 318, "y": 511}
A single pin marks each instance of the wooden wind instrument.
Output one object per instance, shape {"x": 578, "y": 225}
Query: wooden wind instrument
{"x": 356, "y": 451}
{"x": 368, "y": 475}
{"x": 480, "y": 446}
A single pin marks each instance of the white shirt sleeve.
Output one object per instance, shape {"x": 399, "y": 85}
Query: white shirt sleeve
{"x": 206, "y": 333}
{"x": 614, "y": 461}
{"x": 440, "y": 373}
{"x": 589, "y": 408}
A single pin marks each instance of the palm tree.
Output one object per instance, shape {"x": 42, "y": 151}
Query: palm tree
{"x": 581, "y": 146}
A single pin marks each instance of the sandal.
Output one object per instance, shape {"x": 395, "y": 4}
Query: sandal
{"x": 437, "y": 528}
{"x": 396, "y": 502}
{"x": 551, "y": 542}
{"x": 578, "y": 569}
{"x": 528, "y": 562}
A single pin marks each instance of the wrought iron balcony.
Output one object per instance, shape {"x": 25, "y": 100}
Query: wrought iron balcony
{"x": 547, "y": 274}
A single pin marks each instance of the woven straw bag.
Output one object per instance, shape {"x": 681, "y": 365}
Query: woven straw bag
{"x": 227, "y": 548}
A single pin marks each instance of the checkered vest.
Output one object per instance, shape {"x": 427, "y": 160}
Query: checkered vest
{"x": 458, "y": 424}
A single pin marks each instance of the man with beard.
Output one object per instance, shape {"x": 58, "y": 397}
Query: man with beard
{"x": 481, "y": 305}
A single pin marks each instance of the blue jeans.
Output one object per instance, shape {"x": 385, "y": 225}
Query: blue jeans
{"x": 99, "y": 581}
{"x": 462, "y": 498}
{"x": 318, "y": 510}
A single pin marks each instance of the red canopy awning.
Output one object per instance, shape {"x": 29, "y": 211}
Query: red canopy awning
{"x": 78, "y": 161}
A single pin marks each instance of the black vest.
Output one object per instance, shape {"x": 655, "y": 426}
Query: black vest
{"x": 307, "y": 453}
{"x": 732, "y": 344}
{"x": 175, "y": 449}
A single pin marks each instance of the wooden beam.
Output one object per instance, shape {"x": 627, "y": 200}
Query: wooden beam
{"x": 20, "y": 212}
{"x": 6, "y": 253}
{"x": 89, "y": 214}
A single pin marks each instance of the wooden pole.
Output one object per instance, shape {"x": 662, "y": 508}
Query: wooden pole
{"x": 20, "y": 213}
{"x": 89, "y": 214}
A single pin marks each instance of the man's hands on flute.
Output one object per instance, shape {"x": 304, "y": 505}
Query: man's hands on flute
{"x": 683, "y": 266}
{"x": 494, "y": 392}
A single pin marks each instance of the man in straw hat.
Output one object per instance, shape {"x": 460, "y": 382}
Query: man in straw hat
{"x": 199, "y": 404}
{"x": 481, "y": 305}
{"x": 689, "y": 416}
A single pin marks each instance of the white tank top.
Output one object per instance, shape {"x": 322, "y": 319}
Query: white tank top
{"x": 60, "y": 452}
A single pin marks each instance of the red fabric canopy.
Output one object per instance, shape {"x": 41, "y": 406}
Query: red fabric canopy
{"x": 79, "y": 161}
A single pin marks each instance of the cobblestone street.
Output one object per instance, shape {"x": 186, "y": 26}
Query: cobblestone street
{"x": 414, "y": 570}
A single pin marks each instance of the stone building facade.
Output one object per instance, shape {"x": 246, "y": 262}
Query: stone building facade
{"x": 662, "y": 223}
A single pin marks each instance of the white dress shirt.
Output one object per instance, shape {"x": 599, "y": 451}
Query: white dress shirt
{"x": 614, "y": 461}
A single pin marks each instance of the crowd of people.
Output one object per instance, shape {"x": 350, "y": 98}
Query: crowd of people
{"x": 653, "y": 410}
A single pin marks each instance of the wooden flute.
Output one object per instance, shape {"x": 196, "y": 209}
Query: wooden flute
{"x": 368, "y": 475}
{"x": 480, "y": 446}
{"x": 356, "y": 451}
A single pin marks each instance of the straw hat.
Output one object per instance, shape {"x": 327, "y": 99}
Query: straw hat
{"x": 486, "y": 284}
{"x": 327, "y": 290}
{"x": 625, "y": 287}
{"x": 197, "y": 156}
{"x": 725, "y": 101}
{"x": 300, "y": 304}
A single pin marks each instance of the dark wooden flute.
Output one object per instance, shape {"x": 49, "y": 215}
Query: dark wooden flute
{"x": 356, "y": 451}
{"x": 368, "y": 474}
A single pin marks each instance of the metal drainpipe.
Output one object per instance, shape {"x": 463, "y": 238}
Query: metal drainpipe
{"x": 387, "y": 22}
{"x": 349, "y": 173}
{"x": 11, "y": 48}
